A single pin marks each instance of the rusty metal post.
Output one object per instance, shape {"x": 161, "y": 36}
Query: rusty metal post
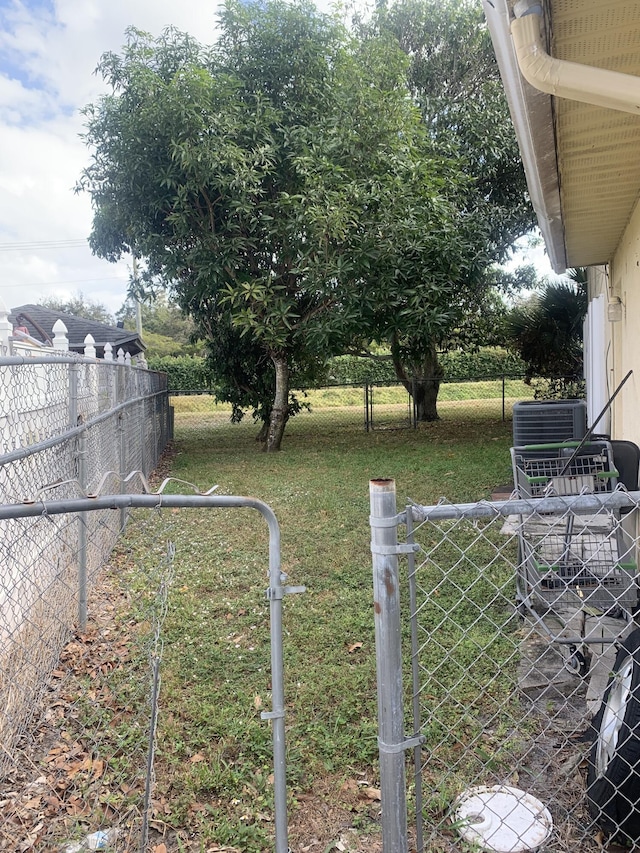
{"x": 386, "y": 605}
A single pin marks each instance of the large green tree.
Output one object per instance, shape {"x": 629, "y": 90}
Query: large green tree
{"x": 166, "y": 330}
{"x": 281, "y": 183}
{"x": 454, "y": 80}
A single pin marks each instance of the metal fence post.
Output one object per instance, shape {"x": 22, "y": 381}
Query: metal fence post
{"x": 386, "y": 605}
{"x": 122, "y": 457}
{"x": 504, "y": 389}
{"x": 82, "y": 535}
{"x": 81, "y": 474}
{"x": 366, "y": 406}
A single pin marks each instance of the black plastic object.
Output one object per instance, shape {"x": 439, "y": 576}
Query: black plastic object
{"x": 626, "y": 458}
{"x": 613, "y": 777}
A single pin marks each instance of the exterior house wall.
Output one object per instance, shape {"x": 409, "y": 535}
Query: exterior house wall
{"x": 624, "y": 352}
{"x": 596, "y": 344}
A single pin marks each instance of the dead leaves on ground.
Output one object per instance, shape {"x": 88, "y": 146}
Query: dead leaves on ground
{"x": 60, "y": 785}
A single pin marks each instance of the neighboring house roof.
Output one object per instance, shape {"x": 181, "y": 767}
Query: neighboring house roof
{"x": 39, "y": 321}
{"x": 581, "y": 158}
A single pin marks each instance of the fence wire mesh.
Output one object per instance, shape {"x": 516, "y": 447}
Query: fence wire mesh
{"x": 79, "y": 772}
{"x": 522, "y": 674}
{"x": 68, "y": 427}
{"x": 371, "y": 406}
{"x": 80, "y": 769}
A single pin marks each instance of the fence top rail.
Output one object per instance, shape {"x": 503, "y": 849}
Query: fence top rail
{"x": 130, "y": 501}
{"x": 63, "y": 358}
{"x": 619, "y": 499}
{"x": 67, "y": 358}
{"x": 72, "y": 432}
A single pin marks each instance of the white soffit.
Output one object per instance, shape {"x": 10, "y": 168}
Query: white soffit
{"x": 598, "y": 149}
{"x": 582, "y": 162}
{"x": 531, "y": 113}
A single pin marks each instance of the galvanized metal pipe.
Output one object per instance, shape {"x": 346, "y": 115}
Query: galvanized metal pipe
{"x": 275, "y": 595}
{"x": 386, "y": 607}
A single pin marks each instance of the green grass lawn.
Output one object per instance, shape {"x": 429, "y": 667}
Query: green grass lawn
{"x": 214, "y": 755}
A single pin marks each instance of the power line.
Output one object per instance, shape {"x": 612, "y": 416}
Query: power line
{"x": 39, "y": 245}
{"x": 67, "y": 281}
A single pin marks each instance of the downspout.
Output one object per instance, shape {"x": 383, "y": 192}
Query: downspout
{"x": 585, "y": 83}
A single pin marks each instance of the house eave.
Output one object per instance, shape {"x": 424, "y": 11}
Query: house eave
{"x": 532, "y": 116}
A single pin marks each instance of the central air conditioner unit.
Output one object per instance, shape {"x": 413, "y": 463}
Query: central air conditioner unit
{"x": 548, "y": 421}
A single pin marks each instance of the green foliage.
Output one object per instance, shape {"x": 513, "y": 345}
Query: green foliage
{"x": 190, "y": 373}
{"x": 80, "y": 306}
{"x": 161, "y": 346}
{"x": 547, "y": 329}
{"x": 285, "y": 188}
{"x": 559, "y": 388}
{"x": 184, "y": 373}
{"x": 165, "y": 328}
{"x": 456, "y": 365}
{"x": 455, "y": 80}
{"x": 481, "y": 364}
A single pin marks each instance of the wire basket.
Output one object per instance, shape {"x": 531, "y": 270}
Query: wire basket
{"x": 544, "y": 470}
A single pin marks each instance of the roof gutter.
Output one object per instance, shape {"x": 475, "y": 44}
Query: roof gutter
{"x": 532, "y": 119}
{"x": 564, "y": 79}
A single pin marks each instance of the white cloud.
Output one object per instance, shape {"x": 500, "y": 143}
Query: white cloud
{"x": 49, "y": 50}
{"x": 48, "y": 53}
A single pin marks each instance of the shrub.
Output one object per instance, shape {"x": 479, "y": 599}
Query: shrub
{"x": 189, "y": 373}
{"x": 184, "y": 372}
{"x": 485, "y": 363}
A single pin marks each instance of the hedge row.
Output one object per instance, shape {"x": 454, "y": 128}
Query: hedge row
{"x": 184, "y": 372}
{"x": 188, "y": 373}
{"x": 459, "y": 366}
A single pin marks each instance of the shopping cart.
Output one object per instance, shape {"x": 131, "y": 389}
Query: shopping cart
{"x": 571, "y": 564}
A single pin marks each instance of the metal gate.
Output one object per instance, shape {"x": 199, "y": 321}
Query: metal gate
{"x": 46, "y": 598}
{"x": 521, "y": 711}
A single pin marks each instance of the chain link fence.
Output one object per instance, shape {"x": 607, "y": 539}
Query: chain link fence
{"x": 509, "y": 665}
{"x": 372, "y": 406}
{"x": 79, "y": 729}
{"x": 69, "y": 427}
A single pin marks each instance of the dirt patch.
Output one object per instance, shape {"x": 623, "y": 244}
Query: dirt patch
{"x": 336, "y": 816}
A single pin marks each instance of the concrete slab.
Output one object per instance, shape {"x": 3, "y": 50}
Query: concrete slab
{"x": 602, "y": 656}
{"x": 541, "y": 660}
{"x": 542, "y": 669}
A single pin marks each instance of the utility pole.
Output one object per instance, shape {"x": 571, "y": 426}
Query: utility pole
{"x": 138, "y": 305}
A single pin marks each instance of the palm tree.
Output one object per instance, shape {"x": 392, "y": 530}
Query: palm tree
{"x": 546, "y": 331}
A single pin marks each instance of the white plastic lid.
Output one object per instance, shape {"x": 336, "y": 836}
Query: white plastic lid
{"x": 502, "y": 819}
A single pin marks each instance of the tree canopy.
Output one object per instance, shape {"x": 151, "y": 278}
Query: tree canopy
{"x": 546, "y": 329}
{"x": 80, "y": 306}
{"x": 453, "y": 78}
{"x": 283, "y": 185}
{"x": 300, "y": 188}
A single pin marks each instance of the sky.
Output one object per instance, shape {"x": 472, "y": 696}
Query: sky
{"x": 49, "y": 50}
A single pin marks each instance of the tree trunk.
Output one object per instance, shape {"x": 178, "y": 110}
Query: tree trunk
{"x": 425, "y": 398}
{"x": 264, "y": 432}
{"x": 421, "y": 378}
{"x": 280, "y": 411}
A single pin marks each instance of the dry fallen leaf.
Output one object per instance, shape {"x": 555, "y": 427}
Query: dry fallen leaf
{"x": 372, "y": 793}
{"x": 354, "y": 646}
{"x": 350, "y": 785}
{"x": 197, "y": 758}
